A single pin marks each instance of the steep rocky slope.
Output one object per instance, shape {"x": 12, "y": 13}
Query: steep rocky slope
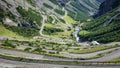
{"x": 104, "y": 28}
{"x": 106, "y": 6}
{"x": 101, "y": 1}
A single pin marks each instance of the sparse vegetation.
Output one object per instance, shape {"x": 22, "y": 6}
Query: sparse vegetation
{"x": 50, "y": 19}
{"x": 6, "y": 13}
{"x": 9, "y": 5}
{"x": 11, "y": 16}
{"x": 7, "y": 43}
{"x": 31, "y": 2}
{"x": 23, "y": 31}
{"x": 91, "y": 49}
{"x": 4, "y": 31}
{"x": 62, "y": 20}
{"x": 78, "y": 16}
{"x": 59, "y": 11}
{"x": 1, "y": 14}
{"x": 27, "y": 49}
{"x": 30, "y": 15}
{"x": 52, "y": 30}
{"x": 48, "y": 6}
{"x": 54, "y": 2}
{"x": 116, "y": 60}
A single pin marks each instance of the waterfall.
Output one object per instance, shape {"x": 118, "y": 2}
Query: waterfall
{"x": 77, "y": 28}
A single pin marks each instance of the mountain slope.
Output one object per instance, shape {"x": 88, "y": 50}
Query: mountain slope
{"x": 29, "y": 14}
{"x": 106, "y": 6}
{"x": 85, "y": 8}
{"x": 58, "y": 18}
{"x": 105, "y": 28}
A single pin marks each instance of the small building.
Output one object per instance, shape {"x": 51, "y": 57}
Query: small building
{"x": 94, "y": 43}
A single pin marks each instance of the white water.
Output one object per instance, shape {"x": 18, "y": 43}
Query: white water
{"x": 77, "y": 28}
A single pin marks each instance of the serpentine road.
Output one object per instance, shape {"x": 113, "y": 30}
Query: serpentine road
{"x": 114, "y": 54}
{"x": 89, "y": 55}
{"x": 43, "y": 24}
{"x": 107, "y": 57}
{"x": 10, "y": 63}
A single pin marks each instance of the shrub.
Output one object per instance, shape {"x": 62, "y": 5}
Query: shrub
{"x": 1, "y": 14}
{"x": 48, "y": 30}
{"x": 30, "y": 44}
{"x": 30, "y": 15}
{"x": 27, "y": 49}
{"x": 63, "y": 21}
{"x": 8, "y": 44}
{"x": 59, "y": 11}
{"x": 52, "y": 52}
{"x": 31, "y": 2}
{"x": 38, "y": 50}
{"x": 54, "y": 2}
{"x": 57, "y": 52}
{"x": 49, "y": 19}
{"x": 23, "y": 31}
{"x": 48, "y": 6}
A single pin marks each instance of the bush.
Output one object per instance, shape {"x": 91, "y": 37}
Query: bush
{"x": 23, "y": 31}
{"x": 27, "y": 49}
{"x": 57, "y": 52}
{"x": 63, "y": 21}
{"x": 38, "y": 50}
{"x": 48, "y": 30}
{"x": 52, "y": 52}
{"x": 30, "y": 15}
{"x": 6, "y": 13}
{"x": 48, "y": 6}
{"x": 49, "y": 19}
{"x": 31, "y": 2}
{"x": 8, "y": 44}
{"x": 54, "y": 2}
{"x": 59, "y": 11}
{"x": 1, "y": 14}
{"x": 30, "y": 44}
{"x": 11, "y": 16}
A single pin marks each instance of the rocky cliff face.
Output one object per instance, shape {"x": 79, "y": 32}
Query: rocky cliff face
{"x": 106, "y": 6}
{"x": 101, "y": 1}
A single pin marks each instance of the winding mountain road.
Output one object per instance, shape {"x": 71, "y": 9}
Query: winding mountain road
{"x": 10, "y": 64}
{"x": 43, "y": 24}
{"x": 15, "y": 53}
{"x": 108, "y": 57}
{"x": 89, "y": 55}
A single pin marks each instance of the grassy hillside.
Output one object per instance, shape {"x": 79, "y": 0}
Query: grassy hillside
{"x": 23, "y": 31}
{"x": 6, "y": 32}
{"x": 103, "y": 29}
